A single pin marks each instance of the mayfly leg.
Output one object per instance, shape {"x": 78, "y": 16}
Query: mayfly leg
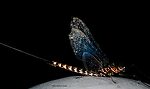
{"x": 112, "y": 80}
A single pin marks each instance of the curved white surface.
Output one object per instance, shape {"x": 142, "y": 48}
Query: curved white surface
{"x": 86, "y": 82}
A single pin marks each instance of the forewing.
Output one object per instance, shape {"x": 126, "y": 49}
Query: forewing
{"x": 84, "y": 46}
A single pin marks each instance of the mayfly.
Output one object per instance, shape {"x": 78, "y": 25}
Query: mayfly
{"x": 86, "y": 49}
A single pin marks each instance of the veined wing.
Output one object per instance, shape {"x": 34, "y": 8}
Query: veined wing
{"x": 84, "y": 46}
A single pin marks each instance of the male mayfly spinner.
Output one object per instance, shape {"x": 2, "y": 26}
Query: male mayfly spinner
{"x": 86, "y": 49}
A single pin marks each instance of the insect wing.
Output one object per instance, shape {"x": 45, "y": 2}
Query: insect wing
{"x": 84, "y": 46}
{"x": 90, "y": 62}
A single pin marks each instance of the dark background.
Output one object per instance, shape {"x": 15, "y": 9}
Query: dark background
{"x": 121, "y": 31}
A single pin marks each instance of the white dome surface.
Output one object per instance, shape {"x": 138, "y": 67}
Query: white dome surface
{"x": 87, "y": 82}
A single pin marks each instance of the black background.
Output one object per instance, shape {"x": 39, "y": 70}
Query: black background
{"x": 42, "y": 30}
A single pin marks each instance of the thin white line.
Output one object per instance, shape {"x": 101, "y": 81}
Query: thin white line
{"x": 21, "y": 51}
